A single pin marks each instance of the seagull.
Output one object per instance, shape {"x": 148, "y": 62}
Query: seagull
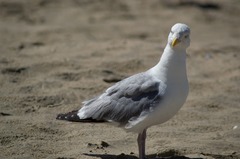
{"x": 144, "y": 99}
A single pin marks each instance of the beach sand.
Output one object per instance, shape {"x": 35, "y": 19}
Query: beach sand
{"x": 54, "y": 54}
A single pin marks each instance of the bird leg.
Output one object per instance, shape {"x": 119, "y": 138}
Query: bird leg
{"x": 141, "y": 144}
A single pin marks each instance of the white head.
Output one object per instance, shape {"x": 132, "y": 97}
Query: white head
{"x": 179, "y": 36}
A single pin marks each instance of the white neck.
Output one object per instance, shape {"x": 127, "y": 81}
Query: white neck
{"x": 172, "y": 65}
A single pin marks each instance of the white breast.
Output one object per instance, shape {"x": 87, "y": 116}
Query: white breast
{"x": 171, "y": 70}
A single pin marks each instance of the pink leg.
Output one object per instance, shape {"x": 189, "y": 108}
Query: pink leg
{"x": 141, "y": 144}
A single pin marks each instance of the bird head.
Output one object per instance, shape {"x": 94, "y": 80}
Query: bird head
{"x": 179, "y": 36}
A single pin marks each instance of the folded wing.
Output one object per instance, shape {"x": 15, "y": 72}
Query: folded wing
{"x": 126, "y": 100}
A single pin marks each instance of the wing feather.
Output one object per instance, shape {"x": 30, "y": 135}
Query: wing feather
{"x": 125, "y": 100}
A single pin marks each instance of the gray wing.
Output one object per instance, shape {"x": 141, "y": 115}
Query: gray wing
{"x": 126, "y": 99}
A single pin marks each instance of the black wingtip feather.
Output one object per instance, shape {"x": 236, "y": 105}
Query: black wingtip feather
{"x": 70, "y": 116}
{"x": 73, "y": 117}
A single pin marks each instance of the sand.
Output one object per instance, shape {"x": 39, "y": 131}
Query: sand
{"x": 54, "y": 54}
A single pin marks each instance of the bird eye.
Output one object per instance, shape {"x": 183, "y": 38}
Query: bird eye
{"x": 186, "y": 36}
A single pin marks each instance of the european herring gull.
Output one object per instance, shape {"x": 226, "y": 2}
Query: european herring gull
{"x": 144, "y": 99}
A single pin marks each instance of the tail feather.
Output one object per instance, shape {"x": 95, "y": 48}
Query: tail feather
{"x": 73, "y": 117}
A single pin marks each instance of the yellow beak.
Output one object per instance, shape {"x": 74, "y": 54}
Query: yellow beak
{"x": 175, "y": 42}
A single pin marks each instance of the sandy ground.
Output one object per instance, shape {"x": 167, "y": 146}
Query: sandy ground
{"x": 54, "y": 54}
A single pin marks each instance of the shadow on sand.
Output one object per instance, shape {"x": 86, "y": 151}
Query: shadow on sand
{"x": 123, "y": 156}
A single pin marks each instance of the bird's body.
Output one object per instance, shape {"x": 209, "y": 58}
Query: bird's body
{"x": 175, "y": 88}
{"x": 145, "y": 99}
